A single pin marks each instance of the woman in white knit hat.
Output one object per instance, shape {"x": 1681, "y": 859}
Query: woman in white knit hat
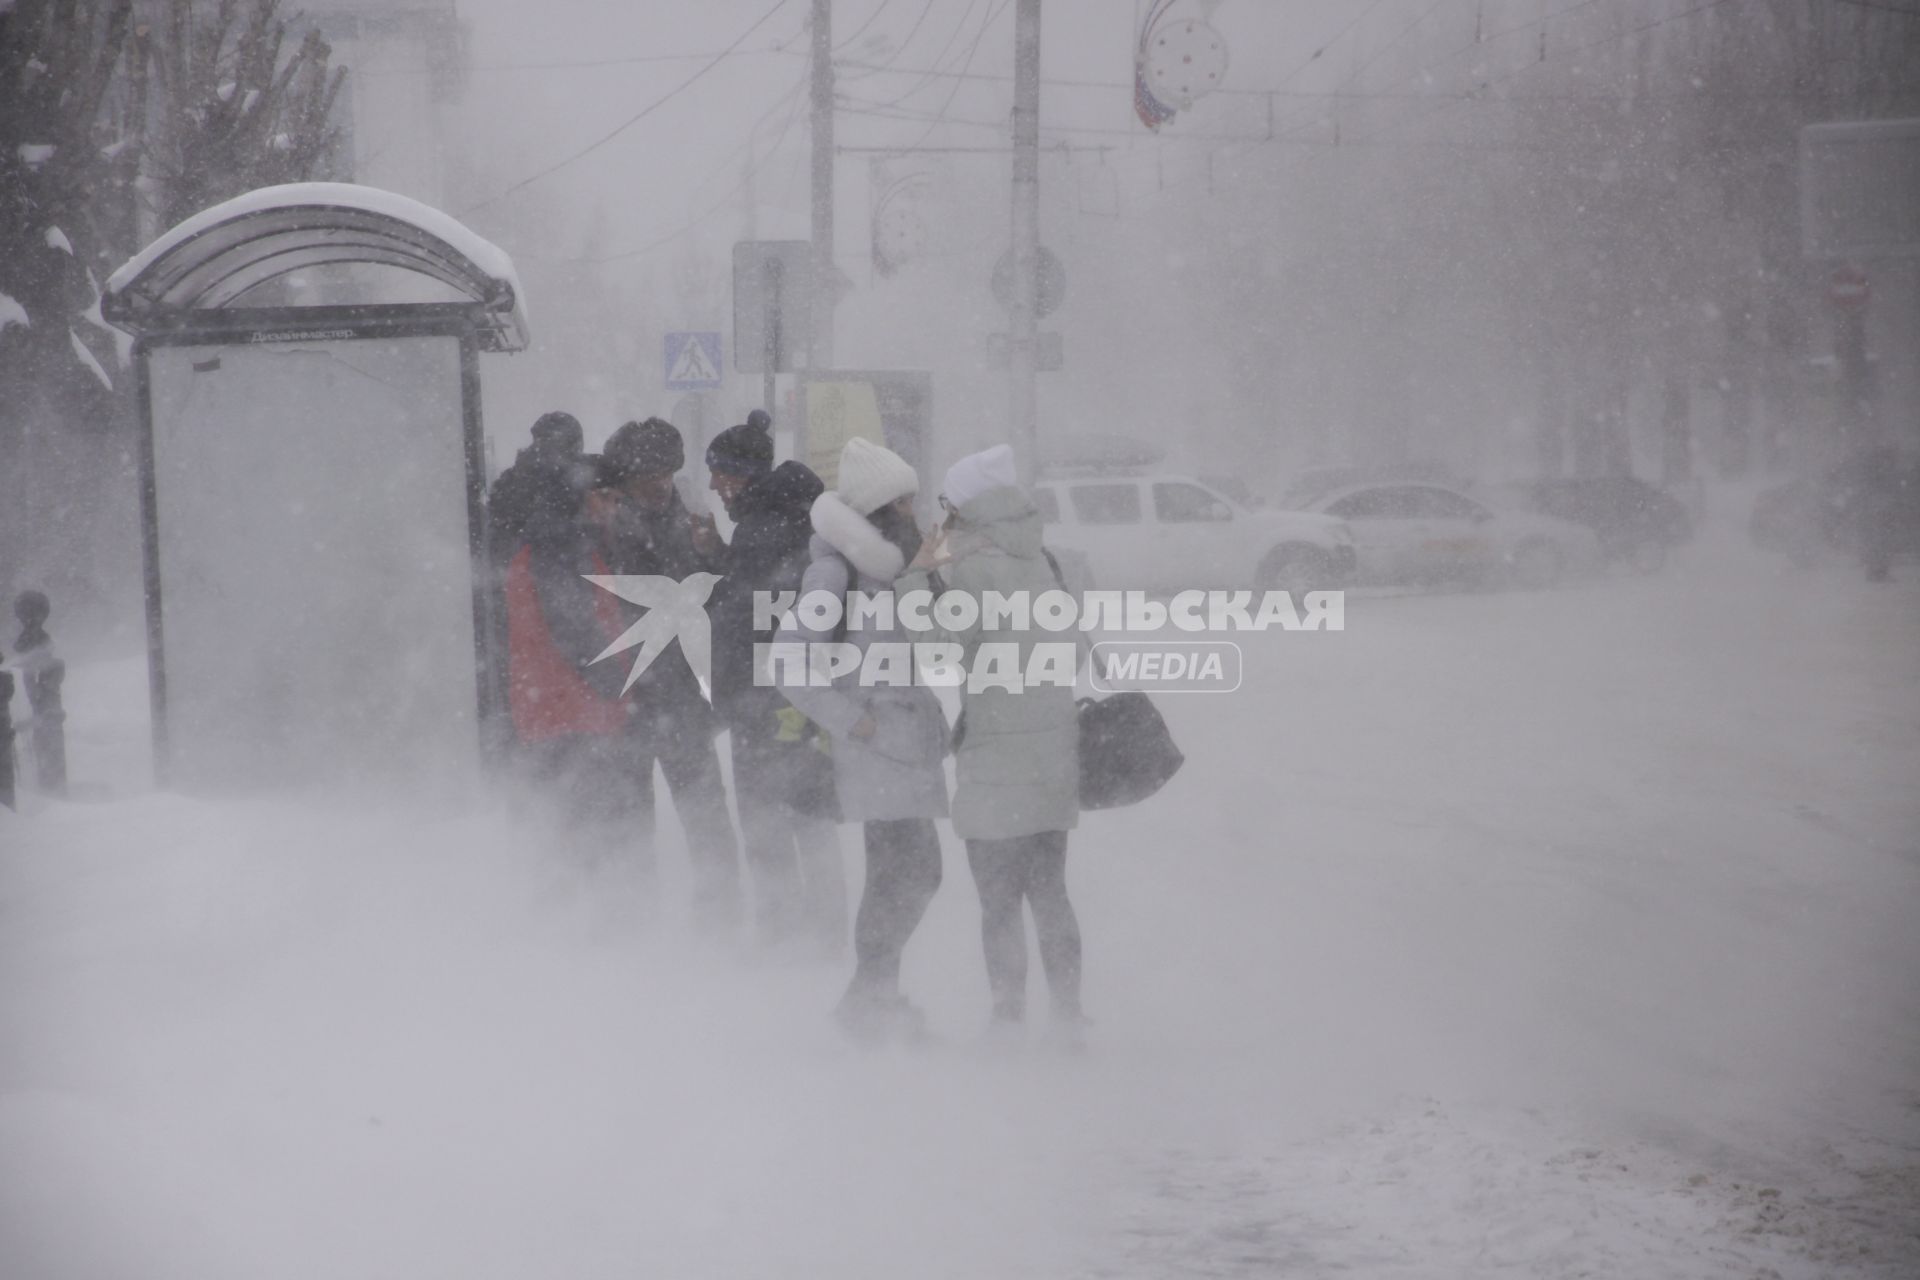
{"x": 1018, "y": 755}
{"x": 889, "y": 741}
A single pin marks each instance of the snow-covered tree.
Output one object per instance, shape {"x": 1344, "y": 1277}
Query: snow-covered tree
{"x": 117, "y": 119}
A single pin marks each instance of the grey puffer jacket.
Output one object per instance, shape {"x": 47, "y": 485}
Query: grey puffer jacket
{"x": 1019, "y": 755}
{"x": 898, "y": 772}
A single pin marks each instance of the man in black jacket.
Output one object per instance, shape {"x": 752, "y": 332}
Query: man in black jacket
{"x": 782, "y": 775}
{"x": 643, "y": 527}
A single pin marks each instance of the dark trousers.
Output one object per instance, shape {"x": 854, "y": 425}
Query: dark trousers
{"x": 601, "y": 787}
{"x": 793, "y": 852}
{"x": 903, "y": 873}
{"x": 1030, "y": 869}
{"x": 692, "y": 770}
{"x": 593, "y": 784}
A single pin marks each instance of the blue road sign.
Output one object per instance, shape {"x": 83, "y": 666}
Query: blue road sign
{"x": 693, "y": 361}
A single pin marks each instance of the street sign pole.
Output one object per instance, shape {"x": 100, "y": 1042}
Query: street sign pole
{"x": 1849, "y": 291}
{"x": 774, "y": 292}
{"x": 820, "y": 336}
{"x": 1023, "y": 380}
{"x": 771, "y": 274}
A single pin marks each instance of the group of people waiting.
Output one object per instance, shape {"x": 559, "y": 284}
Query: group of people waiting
{"x": 804, "y": 758}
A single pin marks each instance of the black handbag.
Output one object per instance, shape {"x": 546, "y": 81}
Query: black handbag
{"x": 1126, "y": 751}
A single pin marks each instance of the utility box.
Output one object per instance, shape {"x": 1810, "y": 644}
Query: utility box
{"x": 319, "y": 606}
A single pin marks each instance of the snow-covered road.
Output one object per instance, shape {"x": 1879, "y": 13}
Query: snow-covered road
{"x": 1537, "y": 935}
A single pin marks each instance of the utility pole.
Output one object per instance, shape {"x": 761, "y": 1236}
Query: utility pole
{"x": 767, "y": 396}
{"x": 820, "y": 346}
{"x": 1022, "y": 349}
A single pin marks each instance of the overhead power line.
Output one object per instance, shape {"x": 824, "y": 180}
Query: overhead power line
{"x": 1881, "y": 8}
{"x": 1558, "y": 56}
{"x": 1338, "y": 36}
{"x": 973, "y": 50}
{"x": 634, "y": 119}
{"x": 862, "y": 28}
{"x": 795, "y": 95}
{"x": 573, "y": 64}
{"x": 1481, "y": 42}
{"x": 1390, "y": 45}
{"x": 900, "y": 48}
{"x": 939, "y": 59}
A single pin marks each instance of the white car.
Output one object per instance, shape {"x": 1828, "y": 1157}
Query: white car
{"x": 1174, "y": 533}
{"x": 1421, "y": 532}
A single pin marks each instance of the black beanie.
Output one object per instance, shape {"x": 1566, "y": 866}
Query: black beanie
{"x": 745, "y": 450}
{"x": 600, "y": 471}
{"x": 641, "y": 448}
{"x": 560, "y": 430}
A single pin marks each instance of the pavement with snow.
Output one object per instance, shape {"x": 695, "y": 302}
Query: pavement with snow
{"x": 1548, "y": 935}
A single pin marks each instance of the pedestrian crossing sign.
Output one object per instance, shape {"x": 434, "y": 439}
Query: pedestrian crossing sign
{"x": 693, "y": 361}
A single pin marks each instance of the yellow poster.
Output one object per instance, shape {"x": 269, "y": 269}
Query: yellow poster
{"x": 836, "y": 413}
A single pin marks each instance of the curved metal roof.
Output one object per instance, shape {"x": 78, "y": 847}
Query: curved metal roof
{"x": 214, "y": 258}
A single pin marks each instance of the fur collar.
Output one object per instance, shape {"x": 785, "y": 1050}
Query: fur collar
{"x": 853, "y": 536}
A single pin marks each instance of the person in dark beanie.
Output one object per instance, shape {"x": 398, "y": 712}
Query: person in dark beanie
{"x": 641, "y": 527}
{"x": 538, "y": 498}
{"x": 782, "y": 774}
{"x": 516, "y": 504}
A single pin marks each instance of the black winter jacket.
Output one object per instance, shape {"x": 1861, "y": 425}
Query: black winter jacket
{"x": 768, "y": 553}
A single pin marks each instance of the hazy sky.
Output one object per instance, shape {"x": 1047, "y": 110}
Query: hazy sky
{"x": 686, "y": 156}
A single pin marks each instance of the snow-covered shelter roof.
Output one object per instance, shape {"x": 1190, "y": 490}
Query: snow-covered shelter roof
{"x": 211, "y": 261}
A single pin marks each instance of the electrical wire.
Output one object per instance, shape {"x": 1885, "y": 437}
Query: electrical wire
{"x": 634, "y": 119}
{"x": 899, "y": 49}
{"x": 862, "y": 28}
{"x": 1560, "y": 55}
{"x": 754, "y": 167}
{"x": 1881, "y": 8}
{"x": 1319, "y": 53}
{"x": 928, "y": 77}
{"x": 993, "y": 16}
{"x": 579, "y": 64}
{"x": 1389, "y": 46}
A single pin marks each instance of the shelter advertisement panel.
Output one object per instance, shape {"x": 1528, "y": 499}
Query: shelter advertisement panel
{"x": 315, "y": 574}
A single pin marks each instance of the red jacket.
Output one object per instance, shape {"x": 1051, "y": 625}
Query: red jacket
{"x": 546, "y": 694}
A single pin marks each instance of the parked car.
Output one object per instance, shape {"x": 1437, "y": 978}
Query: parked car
{"x": 1411, "y": 533}
{"x": 1820, "y": 514}
{"x": 1236, "y": 489}
{"x": 1305, "y": 488}
{"x": 1636, "y": 523}
{"x": 1174, "y": 532}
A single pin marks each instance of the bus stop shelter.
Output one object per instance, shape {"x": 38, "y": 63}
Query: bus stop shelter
{"x": 313, "y": 478}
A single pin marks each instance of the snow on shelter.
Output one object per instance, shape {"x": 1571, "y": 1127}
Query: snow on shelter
{"x": 313, "y": 487}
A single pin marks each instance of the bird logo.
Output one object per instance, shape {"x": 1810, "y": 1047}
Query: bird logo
{"x": 674, "y": 610}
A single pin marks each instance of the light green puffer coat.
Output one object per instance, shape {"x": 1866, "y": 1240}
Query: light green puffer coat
{"x": 1019, "y": 761}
